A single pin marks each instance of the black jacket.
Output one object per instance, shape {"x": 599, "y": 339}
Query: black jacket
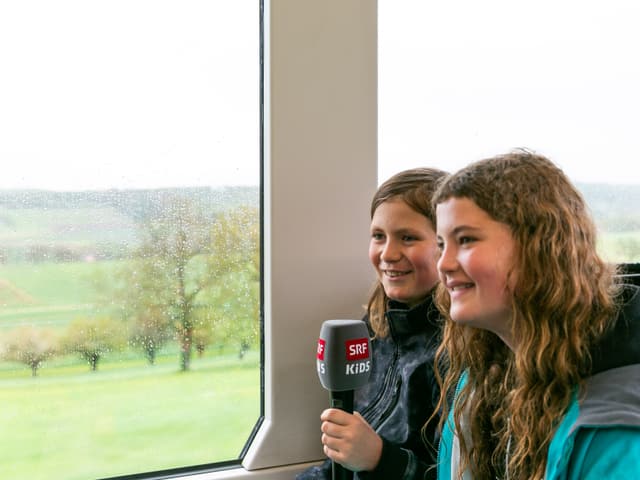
{"x": 620, "y": 346}
{"x": 400, "y": 396}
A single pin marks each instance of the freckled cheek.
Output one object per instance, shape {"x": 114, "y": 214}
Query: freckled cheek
{"x": 431, "y": 262}
{"x": 428, "y": 268}
{"x": 493, "y": 283}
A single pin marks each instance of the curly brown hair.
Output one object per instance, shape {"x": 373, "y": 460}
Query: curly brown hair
{"x": 414, "y": 187}
{"x": 564, "y": 298}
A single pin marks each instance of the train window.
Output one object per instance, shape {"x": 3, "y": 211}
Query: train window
{"x": 462, "y": 80}
{"x": 129, "y": 236}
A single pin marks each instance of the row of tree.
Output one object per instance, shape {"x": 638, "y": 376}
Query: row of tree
{"x": 94, "y": 338}
{"x": 91, "y": 338}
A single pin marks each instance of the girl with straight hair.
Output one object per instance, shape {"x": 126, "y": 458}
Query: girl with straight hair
{"x": 383, "y": 440}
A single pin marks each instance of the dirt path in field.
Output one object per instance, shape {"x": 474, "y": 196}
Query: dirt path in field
{"x": 15, "y": 292}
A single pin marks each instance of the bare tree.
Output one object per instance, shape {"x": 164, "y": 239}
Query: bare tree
{"x": 30, "y": 345}
{"x": 92, "y": 338}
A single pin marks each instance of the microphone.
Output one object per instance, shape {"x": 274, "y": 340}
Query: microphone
{"x": 343, "y": 361}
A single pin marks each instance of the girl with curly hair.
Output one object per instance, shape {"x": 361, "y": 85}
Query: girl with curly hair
{"x": 541, "y": 341}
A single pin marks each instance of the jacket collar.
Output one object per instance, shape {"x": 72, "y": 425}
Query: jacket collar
{"x": 405, "y": 321}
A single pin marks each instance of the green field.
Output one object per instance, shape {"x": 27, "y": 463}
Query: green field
{"x": 49, "y": 287}
{"x": 69, "y": 423}
{"x": 128, "y": 417}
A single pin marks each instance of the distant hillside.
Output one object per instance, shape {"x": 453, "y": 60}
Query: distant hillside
{"x": 616, "y": 208}
{"x": 137, "y": 204}
{"x": 71, "y": 226}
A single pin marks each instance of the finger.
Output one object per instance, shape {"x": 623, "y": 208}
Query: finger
{"x": 333, "y": 447}
{"x": 360, "y": 418}
{"x": 334, "y": 415}
{"x": 331, "y": 429}
{"x": 330, "y": 442}
{"x": 333, "y": 454}
{"x": 330, "y": 453}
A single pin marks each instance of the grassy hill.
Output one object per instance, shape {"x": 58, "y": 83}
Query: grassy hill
{"x": 50, "y": 294}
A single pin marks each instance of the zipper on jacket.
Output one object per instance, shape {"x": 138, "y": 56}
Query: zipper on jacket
{"x": 382, "y": 415}
{"x": 371, "y": 413}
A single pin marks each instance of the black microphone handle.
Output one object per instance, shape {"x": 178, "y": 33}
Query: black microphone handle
{"x": 343, "y": 401}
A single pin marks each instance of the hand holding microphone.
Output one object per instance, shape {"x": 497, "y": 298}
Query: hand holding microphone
{"x": 344, "y": 364}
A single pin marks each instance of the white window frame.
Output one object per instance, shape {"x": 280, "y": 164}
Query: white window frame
{"x": 320, "y": 172}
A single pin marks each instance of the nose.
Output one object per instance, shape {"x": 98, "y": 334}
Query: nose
{"x": 447, "y": 261}
{"x": 390, "y": 252}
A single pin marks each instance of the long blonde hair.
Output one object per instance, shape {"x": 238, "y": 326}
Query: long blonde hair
{"x": 563, "y": 299}
{"x": 414, "y": 187}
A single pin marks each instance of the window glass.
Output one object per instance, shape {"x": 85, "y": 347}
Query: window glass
{"x": 463, "y": 80}
{"x": 129, "y": 235}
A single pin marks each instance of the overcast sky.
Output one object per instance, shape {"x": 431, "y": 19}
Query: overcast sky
{"x": 148, "y": 93}
{"x": 465, "y": 79}
{"x": 128, "y": 93}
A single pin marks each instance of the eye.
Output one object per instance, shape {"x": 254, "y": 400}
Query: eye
{"x": 377, "y": 236}
{"x": 440, "y": 244}
{"x": 409, "y": 238}
{"x": 465, "y": 239}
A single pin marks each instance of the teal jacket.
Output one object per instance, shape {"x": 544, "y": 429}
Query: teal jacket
{"x": 599, "y": 436}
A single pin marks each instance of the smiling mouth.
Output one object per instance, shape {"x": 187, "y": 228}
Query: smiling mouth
{"x": 463, "y": 286}
{"x": 395, "y": 273}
